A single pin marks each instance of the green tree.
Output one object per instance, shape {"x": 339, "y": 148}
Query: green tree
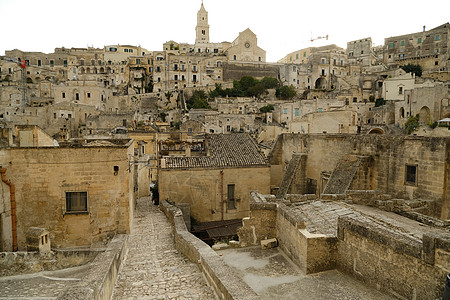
{"x": 380, "y": 102}
{"x": 285, "y": 92}
{"x": 411, "y": 68}
{"x": 266, "y": 108}
{"x": 269, "y": 82}
{"x": 198, "y": 100}
{"x": 412, "y": 124}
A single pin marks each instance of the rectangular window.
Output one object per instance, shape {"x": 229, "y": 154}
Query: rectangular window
{"x": 39, "y": 63}
{"x": 65, "y": 63}
{"x": 64, "y": 95}
{"x": 402, "y": 43}
{"x": 52, "y": 63}
{"x": 391, "y": 45}
{"x": 194, "y": 78}
{"x": 436, "y": 37}
{"x": 400, "y": 90}
{"x": 285, "y": 111}
{"x": 411, "y": 174}
{"x": 76, "y": 201}
{"x": 231, "y": 203}
{"x": 228, "y": 128}
{"x": 304, "y": 54}
{"x": 296, "y": 56}
{"x": 158, "y": 69}
{"x": 175, "y": 77}
{"x": 419, "y": 41}
{"x": 138, "y": 61}
{"x": 296, "y": 112}
{"x": 89, "y": 95}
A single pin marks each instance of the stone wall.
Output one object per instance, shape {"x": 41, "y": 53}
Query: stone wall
{"x": 209, "y": 204}
{"x": 42, "y": 176}
{"x": 261, "y": 225}
{"x": 235, "y": 71}
{"x": 16, "y": 263}
{"x": 218, "y": 274}
{"x": 380, "y": 255}
{"x": 392, "y": 262}
{"x": 387, "y": 158}
{"x": 311, "y": 252}
{"x": 99, "y": 282}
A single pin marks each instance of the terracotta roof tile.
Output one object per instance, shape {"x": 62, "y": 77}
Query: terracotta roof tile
{"x": 226, "y": 150}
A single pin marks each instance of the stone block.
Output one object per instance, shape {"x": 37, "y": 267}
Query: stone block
{"x": 220, "y": 246}
{"x": 270, "y": 243}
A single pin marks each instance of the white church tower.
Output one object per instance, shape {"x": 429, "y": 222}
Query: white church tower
{"x": 202, "y": 28}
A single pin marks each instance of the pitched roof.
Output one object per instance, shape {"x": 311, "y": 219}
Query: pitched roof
{"x": 225, "y": 151}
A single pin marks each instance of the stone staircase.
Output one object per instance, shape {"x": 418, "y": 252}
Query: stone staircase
{"x": 343, "y": 175}
{"x": 289, "y": 175}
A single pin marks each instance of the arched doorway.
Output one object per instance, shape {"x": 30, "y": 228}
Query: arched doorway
{"x": 321, "y": 83}
{"x": 424, "y": 115}
{"x": 402, "y": 112}
{"x": 376, "y": 131}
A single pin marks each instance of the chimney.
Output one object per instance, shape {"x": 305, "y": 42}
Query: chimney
{"x": 423, "y": 28}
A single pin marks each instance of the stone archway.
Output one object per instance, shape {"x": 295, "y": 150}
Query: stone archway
{"x": 376, "y": 131}
{"x": 424, "y": 115}
{"x": 402, "y": 112}
{"x": 321, "y": 83}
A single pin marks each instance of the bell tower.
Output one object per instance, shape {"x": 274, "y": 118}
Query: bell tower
{"x": 202, "y": 28}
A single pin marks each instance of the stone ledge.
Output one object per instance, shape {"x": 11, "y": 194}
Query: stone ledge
{"x": 99, "y": 283}
{"x": 220, "y": 276}
{"x": 368, "y": 229}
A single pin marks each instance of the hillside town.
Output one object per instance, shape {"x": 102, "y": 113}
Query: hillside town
{"x": 130, "y": 173}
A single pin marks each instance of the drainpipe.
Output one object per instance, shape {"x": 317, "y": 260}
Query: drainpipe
{"x": 12, "y": 191}
{"x": 221, "y": 193}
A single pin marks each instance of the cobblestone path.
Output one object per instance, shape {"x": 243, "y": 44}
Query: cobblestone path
{"x": 153, "y": 268}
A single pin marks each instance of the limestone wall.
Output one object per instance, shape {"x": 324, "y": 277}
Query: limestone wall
{"x": 220, "y": 276}
{"x": 385, "y": 168}
{"x": 16, "y": 263}
{"x": 188, "y": 186}
{"x": 392, "y": 262}
{"x": 42, "y": 176}
{"x": 99, "y": 282}
{"x": 311, "y": 252}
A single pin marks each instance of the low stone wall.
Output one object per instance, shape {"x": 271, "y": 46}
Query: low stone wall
{"x": 15, "y": 263}
{"x": 100, "y": 280}
{"x": 392, "y": 262}
{"x": 261, "y": 225}
{"x": 311, "y": 252}
{"x": 219, "y": 275}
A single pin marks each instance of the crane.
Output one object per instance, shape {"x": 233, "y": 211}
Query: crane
{"x": 319, "y": 37}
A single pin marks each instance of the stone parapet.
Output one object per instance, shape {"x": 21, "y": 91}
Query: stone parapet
{"x": 99, "y": 283}
{"x": 219, "y": 275}
{"x": 398, "y": 263}
{"x": 15, "y": 263}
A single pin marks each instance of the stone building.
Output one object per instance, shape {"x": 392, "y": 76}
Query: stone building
{"x": 80, "y": 191}
{"x": 402, "y": 167}
{"x": 428, "y": 48}
{"x": 231, "y": 168}
{"x": 360, "y": 51}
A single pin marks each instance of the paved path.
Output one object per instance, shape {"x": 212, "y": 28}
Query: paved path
{"x": 153, "y": 268}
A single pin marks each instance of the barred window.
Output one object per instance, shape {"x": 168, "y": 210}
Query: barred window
{"x": 76, "y": 201}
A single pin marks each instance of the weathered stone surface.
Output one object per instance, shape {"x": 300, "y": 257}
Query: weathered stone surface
{"x": 154, "y": 268}
{"x": 270, "y": 243}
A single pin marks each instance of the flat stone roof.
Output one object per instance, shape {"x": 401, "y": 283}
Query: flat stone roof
{"x": 321, "y": 217}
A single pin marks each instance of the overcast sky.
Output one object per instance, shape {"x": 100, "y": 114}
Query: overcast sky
{"x": 281, "y": 26}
